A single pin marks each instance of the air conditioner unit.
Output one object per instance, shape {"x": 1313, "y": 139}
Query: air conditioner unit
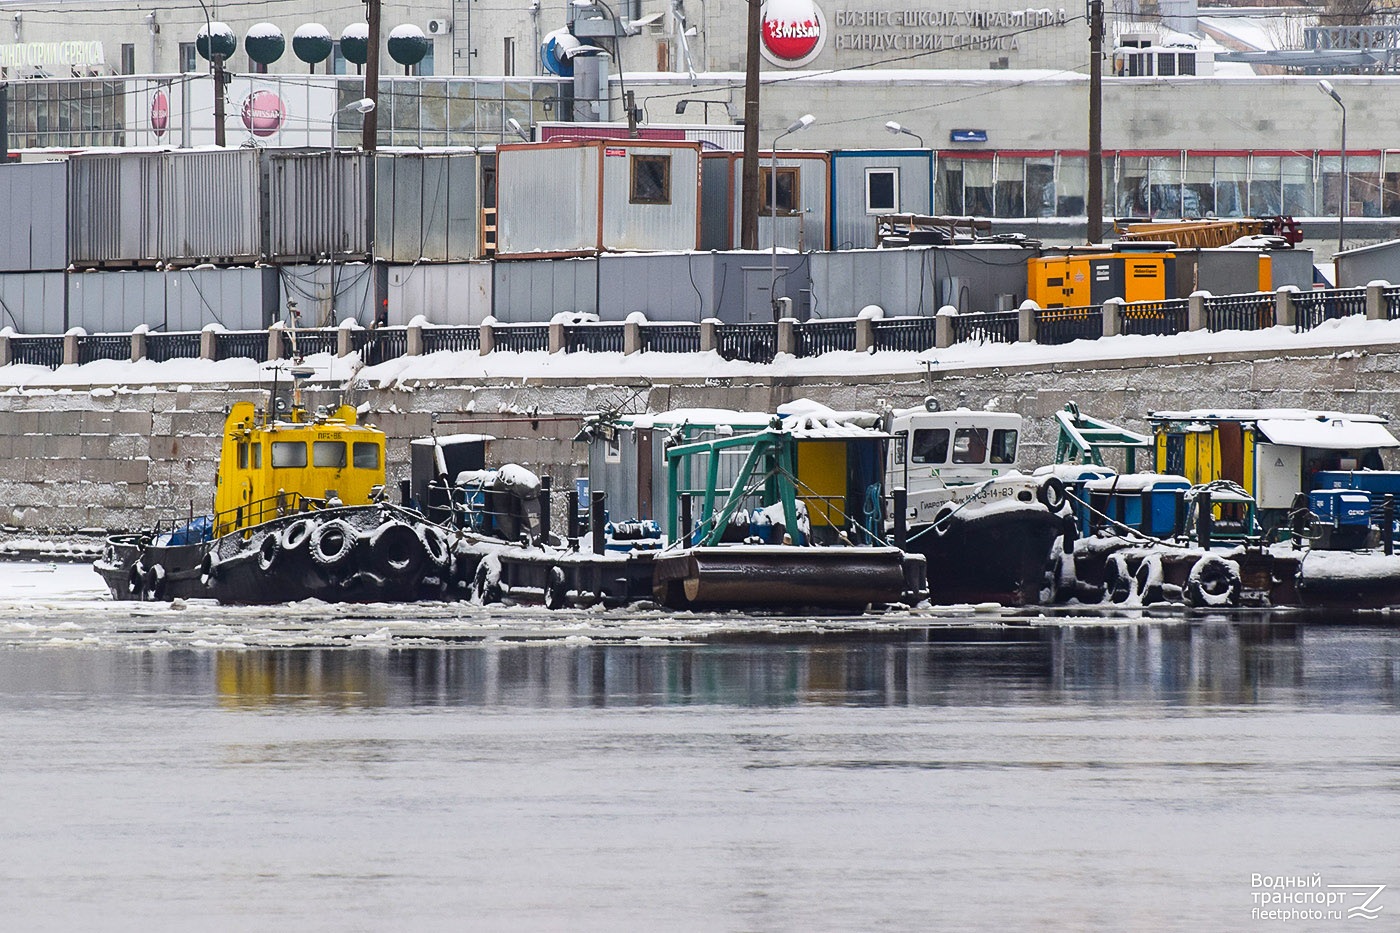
{"x": 439, "y": 27}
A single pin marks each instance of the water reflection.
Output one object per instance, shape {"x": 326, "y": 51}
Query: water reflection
{"x": 1201, "y": 663}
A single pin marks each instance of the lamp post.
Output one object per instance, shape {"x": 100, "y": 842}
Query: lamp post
{"x": 801, "y": 123}
{"x": 1326, "y": 87}
{"x": 897, "y": 130}
{"x": 619, "y": 30}
{"x": 362, "y": 106}
{"x": 517, "y": 129}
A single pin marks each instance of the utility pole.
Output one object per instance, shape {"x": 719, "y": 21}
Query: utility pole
{"x": 370, "y": 131}
{"x": 748, "y": 216}
{"x": 1095, "y": 205}
{"x": 219, "y": 85}
{"x": 4, "y": 122}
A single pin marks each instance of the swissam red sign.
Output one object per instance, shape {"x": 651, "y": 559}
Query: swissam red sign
{"x": 794, "y": 32}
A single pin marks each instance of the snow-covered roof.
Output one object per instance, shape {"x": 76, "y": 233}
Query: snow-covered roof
{"x": 449, "y": 439}
{"x": 1331, "y": 434}
{"x": 1261, "y": 414}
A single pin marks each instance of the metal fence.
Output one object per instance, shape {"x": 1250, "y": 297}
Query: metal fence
{"x": 451, "y": 338}
{"x": 1155, "y": 317}
{"x": 987, "y": 327}
{"x": 92, "y": 347}
{"x": 248, "y": 345}
{"x": 909, "y": 334}
{"x": 593, "y": 338}
{"x": 522, "y": 338}
{"x": 39, "y": 351}
{"x": 183, "y": 345}
{"x": 1312, "y": 308}
{"x": 1061, "y": 325}
{"x": 817, "y": 337}
{"x": 752, "y": 343}
{"x": 1391, "y": 297}
{"x": 671, "y": 338}
{"x": 380, "y": 344}
{"x": 1251, "y": 311}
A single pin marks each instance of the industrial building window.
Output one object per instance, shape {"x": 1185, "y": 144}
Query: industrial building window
{"x": 128, "y": 58}
{"x": 787, "y": 198}
{"x": 187, "y": 58}
{"x": 651, "y": 179}
{"x": 881, "y": 190}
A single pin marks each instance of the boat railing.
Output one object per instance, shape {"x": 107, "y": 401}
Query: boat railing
{"x": 260, "y": 511}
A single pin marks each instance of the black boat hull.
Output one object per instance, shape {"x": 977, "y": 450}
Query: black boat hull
{"x": 998, "y": 557}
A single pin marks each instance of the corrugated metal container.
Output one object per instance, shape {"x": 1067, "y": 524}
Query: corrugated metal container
{"x": 448, "y": 293}
{"x": 311, "y": 288}
{"x": 1358, "y": 267}
{"x": 918, "y": 280}
{"x": 114, "y": 302}
{"x": 583, "y": 197}
{"x": 428, "y": 207}
{"x": 805, "y": 227}
{"x": 211, "y": 211}
{"x": 33, "y": 302}
{"x": 315, "y": 204}
{"x": 115, "y": 207}
{"x": 866, "y": 183}
{"x": 535, "y": 290}
{"x": 35, "y": 197}
{"x": 239, "y": 299}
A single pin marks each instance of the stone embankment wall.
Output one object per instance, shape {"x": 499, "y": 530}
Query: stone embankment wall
{"x": 112, "y": 458}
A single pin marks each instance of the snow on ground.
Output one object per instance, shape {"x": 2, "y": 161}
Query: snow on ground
{"x": 454, "y": 366}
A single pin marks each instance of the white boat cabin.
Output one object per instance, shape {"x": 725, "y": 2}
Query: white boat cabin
{"x": 935, "y": 449}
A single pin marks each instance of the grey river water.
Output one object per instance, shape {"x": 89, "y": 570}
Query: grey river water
{"x": 441, "y": 767}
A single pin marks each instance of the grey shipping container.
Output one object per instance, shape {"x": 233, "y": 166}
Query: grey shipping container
{"x": 114, "y": 207}
{"x": 33, "y": 302}
{"x": 427, "y": 206}
{"x": 584, "y": 197}
{"x": 316, "y": 202}
{"x": 866, "y": 183}
{"x": 211, "y": 208}
{"x": 537, "y": 289}
{"x": 803, "y": 214}
{"x": 918, "y": 280}
{"x": 455, "y": 293}
{"x": 35, "y": 196}
{"x": 328, "y": 293}
{"x": 116, "y": 301}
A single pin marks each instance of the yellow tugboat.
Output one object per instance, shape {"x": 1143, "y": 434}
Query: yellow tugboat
{"x": 299, "y": 512}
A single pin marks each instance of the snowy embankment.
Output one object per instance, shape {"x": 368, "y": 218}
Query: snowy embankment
{"x": 1353, "y": 333}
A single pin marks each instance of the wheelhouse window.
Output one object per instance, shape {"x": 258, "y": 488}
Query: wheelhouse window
{"x": 328, "y": 454}
{"x": 970, "y": 445}
{"x": 930, "y": 445}
{"x": 1004, "y": 445}
{"x": 366, "y": 456}
{"x": 243, "y": 455}
{"x": 651, "y": 179}
{"x": 288, "y": 454}
{"x": 881, "y": 190}
{"x": 787, "y": 197}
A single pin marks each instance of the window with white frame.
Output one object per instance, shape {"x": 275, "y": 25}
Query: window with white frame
{"x": 882, "y": 190}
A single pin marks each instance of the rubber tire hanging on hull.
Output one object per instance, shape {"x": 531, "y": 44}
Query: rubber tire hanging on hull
{"x": 1214, "y": 583}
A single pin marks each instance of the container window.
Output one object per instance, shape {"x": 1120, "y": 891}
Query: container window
{"x": 930, "y": 445}
{"x": 288, "y": 454}
{"x": 970, "y": 445}
{"x": 651, "y": 179}
{"x": 788, "y": 200}
{"x": 881, "y": 190}
{"x": 1004, "y": 445}
{"x": 366, "y": 456}
{"x": 328, "y": 454}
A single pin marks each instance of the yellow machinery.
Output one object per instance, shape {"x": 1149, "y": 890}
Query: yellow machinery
{"x": 1082, "y": 280}
{"x": 270, "y": 468}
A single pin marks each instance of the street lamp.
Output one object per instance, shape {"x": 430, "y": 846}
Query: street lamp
{"x": 801, "y": 123}
{"x": 1326, "y": 87}
{"x": 896, "y": 130}
{"x": 362, "y": 106}
{"x": 517, "y": 129}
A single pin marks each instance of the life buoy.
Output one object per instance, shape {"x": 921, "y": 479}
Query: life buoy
{"x": 556, "y": 588}
{"x": 397, "y": 550}
{"x": 331, "y": 543}
{"x": 296, "y": 534}
{"x": 268, "y": 549}
{"x": 1051, "y": 493}
{"x": 1214, "y": 582}
{"x": 435, "y": 546}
